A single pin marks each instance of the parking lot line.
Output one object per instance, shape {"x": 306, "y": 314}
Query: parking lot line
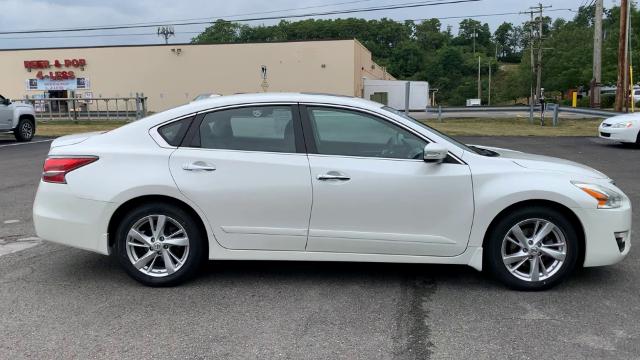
{"x": 21, "y": 244}
{"x": 26, "y": 143}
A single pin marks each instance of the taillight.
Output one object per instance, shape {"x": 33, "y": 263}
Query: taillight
{"x": 56, "y": 168}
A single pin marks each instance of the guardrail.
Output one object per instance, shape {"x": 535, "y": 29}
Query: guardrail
{"x": 87, "y": 109}
{"x": 457, "y": 109}
{"x": 553, "y": 109}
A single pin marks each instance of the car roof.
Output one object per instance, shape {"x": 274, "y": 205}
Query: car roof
{"x": 239, "y": 99}
{"x": 226, "y": 100}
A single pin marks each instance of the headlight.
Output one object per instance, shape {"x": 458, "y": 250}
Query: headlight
{"x": 624, "y": 124}
{"x": 607, "y": 198}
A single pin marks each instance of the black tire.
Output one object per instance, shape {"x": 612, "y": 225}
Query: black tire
{"x": 197, "y": 249}
{"x": 493, "y": 248}
{"x": 25, "y": 130}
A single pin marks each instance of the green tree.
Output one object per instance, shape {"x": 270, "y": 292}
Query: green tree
{"x": 221, "y": 31}
{"x": 508, "y": 38}
{"x": 429, "y": 36}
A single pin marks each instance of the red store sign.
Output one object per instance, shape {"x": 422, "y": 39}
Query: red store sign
{"x": 55, "y": 75}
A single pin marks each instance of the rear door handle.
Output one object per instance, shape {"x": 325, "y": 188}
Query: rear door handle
{"x": 333, "y": 175}
{"x": 198, "y": 166}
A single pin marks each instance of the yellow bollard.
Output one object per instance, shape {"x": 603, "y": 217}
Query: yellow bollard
{"x": 574, "y": 99}
{"x": 633, "y": 91}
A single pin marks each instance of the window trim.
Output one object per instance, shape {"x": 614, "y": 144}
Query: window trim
{"x": 311, "y": 142}
{"x": 192, "y": 139}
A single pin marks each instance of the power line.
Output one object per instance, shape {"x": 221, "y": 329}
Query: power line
{"x": 199, "y": 32}
{"x": 89, "y": 36}
{"x": 334, "y": 12}
{"x": 154, "y": 23}
{"x": 486, "y": 15}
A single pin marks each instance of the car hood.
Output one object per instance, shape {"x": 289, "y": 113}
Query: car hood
{"x": 74, "y": 139}
{"x": 547, "y": 163}
{"x": 635, "y": 117}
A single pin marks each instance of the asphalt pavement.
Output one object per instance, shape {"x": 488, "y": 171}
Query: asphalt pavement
{"x": 58, "y": 302}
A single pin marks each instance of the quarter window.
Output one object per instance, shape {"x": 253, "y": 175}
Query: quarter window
{"x": 351, "y": 133}
{"x": 259, "y": 128}
{"x": 174, "y": 132}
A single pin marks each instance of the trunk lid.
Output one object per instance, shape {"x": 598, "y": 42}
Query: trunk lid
{"x": 74, "y": 139}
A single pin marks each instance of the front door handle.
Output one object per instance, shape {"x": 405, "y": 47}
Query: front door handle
{"x": 333, "y": 175}
{"x": 198, "y": 166}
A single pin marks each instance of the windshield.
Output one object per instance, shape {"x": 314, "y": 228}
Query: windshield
{"x": 455, "y": 142}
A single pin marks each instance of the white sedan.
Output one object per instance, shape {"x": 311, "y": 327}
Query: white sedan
{"x": 622, "y": 128}
{"x": 322, "y": 178}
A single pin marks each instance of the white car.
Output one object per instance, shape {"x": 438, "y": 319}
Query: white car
{"x": 622, "y": 128}
{"x": 322, "y": 178}
{"x": 205, "y": 96}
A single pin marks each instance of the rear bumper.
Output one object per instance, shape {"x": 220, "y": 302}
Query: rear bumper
{"x": 625, "y": 135}
{"x": 61, "y": 217}
{"x": 601, "y": 227}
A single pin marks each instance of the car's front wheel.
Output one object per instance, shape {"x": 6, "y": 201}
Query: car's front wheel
{"x": 160, "y": 245}
{"x": 532, "y": 248}
{"x": 25, "y": 130}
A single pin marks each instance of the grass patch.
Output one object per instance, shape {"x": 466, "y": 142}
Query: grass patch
{"x": 515, "y": 127}
{"x": 63, "y": 127}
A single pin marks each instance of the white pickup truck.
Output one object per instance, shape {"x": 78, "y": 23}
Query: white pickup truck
{"x": 19, "y": 118}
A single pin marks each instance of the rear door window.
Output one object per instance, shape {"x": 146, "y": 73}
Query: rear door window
{"x": 255, "y": 128}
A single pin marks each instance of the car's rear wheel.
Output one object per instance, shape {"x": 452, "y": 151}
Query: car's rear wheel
{"x": 25, "y": 130}
{"x": 532, "y": 248}
{"x": 159, "y": 245}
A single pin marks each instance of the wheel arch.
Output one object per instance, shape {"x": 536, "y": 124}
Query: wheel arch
{"x": 130, "y": 204}
{"x": 25, "y": 116}
{"x": 571, "y": 216}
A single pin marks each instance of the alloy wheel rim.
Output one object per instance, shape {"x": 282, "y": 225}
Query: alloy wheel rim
{"x": 534, "y": 250}
{"x": 27, "y": 130}
{"x": 157, "y": 245}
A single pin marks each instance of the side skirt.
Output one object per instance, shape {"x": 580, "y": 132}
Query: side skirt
{"x": 472, "y": 257}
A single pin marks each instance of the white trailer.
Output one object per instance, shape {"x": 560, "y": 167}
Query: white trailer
{"x": 392, "y": 93}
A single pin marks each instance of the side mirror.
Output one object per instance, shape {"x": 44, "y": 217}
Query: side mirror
{"x": 434, "y": 153}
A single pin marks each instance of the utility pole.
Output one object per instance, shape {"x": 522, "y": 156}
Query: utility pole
{"x": 489, "y": 96}
{"x": 166, "y": 32}
{"x": 533, "y": 64}
{"x": 627, "y": 56}
{"x": 623, "y": 40}
{"x": 490, "y": 70}
{"x": 479, "y": 83}
{"x": 474, "y": 39}
{"x": 539, "y": 8}
{"x": 597, "y": 56}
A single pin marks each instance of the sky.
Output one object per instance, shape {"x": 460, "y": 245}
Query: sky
{"x": 18, "y": 15}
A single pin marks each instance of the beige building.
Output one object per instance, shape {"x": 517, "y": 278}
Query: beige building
{"x": 171, "y": 75}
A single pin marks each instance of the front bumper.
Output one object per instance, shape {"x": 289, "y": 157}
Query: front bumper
{"x": 626, "y": 135}
{"x": 60, "y": 216}
{"x": 601, "y": 227}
